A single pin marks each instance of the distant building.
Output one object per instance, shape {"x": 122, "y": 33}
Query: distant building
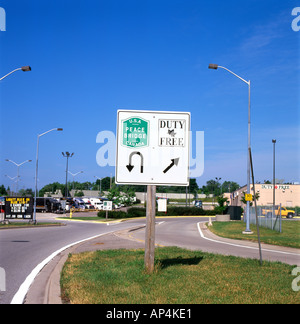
{"x": 288, "y": 195}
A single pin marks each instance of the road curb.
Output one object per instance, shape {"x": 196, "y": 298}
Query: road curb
{"x": 31, "y": 226}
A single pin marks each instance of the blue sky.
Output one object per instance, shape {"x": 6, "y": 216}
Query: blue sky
{"x": 91, "y": 58}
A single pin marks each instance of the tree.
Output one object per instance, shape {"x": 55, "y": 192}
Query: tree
{"x": 212, "y": 187}
{"x": 26, "y": 192}
{"x": 105, "y": 184}
{"x": 121, "y": 194}
{"x": 215, "y": 188}
{"x": 230, "y": 186}
{"x": 114, "y": 194}
{"x": 193, "y": 186}
{"x": 52, "y": 188}
{"x": 221, "y": 201}
{"x": 127, "y": 196}
{"x": 3, "y": 191}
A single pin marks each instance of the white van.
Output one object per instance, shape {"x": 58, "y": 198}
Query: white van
{"x": 97, "y": 203}
{"x": 87, "y": 203}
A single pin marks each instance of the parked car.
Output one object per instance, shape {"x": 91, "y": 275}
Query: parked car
{"x": 198, "y": 203}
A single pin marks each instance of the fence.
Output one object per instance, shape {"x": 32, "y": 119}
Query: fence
{"x": 267, "y": 217}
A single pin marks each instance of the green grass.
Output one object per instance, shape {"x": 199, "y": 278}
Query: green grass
{"x": 180, "y": 276}
{"x": 289, "y": 237}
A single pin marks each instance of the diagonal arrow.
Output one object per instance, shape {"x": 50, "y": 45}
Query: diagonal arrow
{"x": 130, "y": 166}
{"x": 174, "y": 162}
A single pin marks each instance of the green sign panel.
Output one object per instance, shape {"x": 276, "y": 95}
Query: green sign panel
{"x": 135, "y": 132}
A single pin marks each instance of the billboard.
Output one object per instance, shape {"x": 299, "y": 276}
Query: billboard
{"x": 18, "y": 208}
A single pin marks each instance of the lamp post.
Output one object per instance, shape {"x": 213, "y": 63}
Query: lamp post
{"x": 74, "y": 175}
{"x": 23, "y": 68}
{"x": 218, "y": 179}
{"x": 11, "y": 178}
{"x": 18, "y": 166}
{"x": 67, "y": 155}
{"x": 36, "y": 169}
{"x": 100, "y": 179}
{"x": 274, "y": 142}
{"x": 215, "y": 67}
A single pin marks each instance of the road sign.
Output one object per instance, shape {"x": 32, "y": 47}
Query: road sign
{"x": 107, "y": 205}
{"x": 153, "y": 148}
{"x": 162, "y": 204}
{"x": 248, "y": 197}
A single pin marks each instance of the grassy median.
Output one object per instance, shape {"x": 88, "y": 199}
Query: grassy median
{"x": 180, "y": 276}
{"x": 289, "y": 237}
{"x": 27, "y": 224}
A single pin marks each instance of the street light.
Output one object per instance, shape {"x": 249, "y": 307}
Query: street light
{"x": 23, "y": 68}
{"x": 36, "y": 169}
{"x": 215, "y": 67}
{"x": 18, "y": 166}
{"x": 99, "y": 185}
{"x": 74, "y": 175}
{"x": 218, "y": 179}
{"x": 12, "y": 179}
{"x": 67, "y": 155}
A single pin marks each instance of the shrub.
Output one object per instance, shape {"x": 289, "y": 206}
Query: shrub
{"x": 136, "y": 212}
{"x": 171, "y": 211}
{"x": 112, "y": 214}
{"x": 186, "y": 211}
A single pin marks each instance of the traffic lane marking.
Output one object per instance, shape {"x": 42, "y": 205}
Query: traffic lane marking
{"x": 20, "y": 295}
{"x": 143, "y": 241}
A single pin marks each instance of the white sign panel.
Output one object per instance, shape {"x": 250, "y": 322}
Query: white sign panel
{"x": 153, "y": 148}
{"x": 162, "y": 205}
{"x": 107, "y": 205}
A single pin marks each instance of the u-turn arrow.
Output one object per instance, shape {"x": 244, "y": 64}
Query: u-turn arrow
{"x": 130, "y": 166}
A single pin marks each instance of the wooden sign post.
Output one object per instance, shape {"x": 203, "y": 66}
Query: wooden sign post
{"x": 150, "y": 229}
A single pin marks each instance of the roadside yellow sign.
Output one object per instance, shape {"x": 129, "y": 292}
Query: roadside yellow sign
{"x": 248, "y": 197}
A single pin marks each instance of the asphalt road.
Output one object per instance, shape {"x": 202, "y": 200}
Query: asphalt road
{"x": 21, "y": 250}
{"x": 191, "y": 233}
